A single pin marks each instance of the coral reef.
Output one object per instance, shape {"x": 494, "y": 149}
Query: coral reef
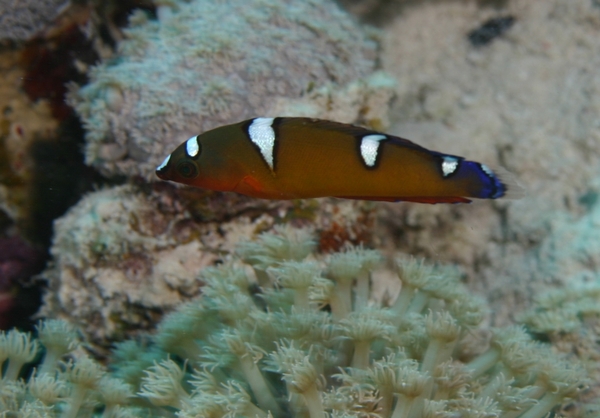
{"x": 41, "y": 167}
{"x": 528, "y": 101}
{"x": 118, "y": 260}
{"x": 365, "y": 101}
{"x": 524, "y": 97}
{"x": 204, "y": 64}
{"x": 301, "y": 337}
{"x": 21, "y": 20}
{"x": 566, "y": 257}
{"x": 569, "y": 318}
{"x": 123, "y": 255}
{"x": 21, "y": 122}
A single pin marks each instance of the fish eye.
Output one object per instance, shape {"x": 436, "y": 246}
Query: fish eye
{"x": 187, "y": 169}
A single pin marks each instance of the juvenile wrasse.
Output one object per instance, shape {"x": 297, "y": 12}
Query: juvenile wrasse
{"x": 296, "y": 158}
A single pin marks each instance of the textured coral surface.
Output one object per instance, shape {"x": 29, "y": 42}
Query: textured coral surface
{"x": 20, "y": 20}
{"x": 203, "y": 64}
{"x": 118, "y": 259}
{"x": 122, "y": 257}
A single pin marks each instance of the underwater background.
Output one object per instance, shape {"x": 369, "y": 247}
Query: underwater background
{"x": 130, "y": 296}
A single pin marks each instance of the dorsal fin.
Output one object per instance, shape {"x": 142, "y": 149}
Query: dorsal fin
{"x": 353, "y": 130}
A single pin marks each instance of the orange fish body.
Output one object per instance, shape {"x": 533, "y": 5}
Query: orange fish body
{"x": 295, "y": 158}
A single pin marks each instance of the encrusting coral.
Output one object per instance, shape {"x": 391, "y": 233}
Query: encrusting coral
{"x": 301, "y": 337}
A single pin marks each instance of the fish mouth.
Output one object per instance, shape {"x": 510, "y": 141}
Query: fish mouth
{"x": 161, "y": 170}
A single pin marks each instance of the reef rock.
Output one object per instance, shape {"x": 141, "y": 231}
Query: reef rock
{"x": 20, "y": 20}
{"x": 203, "y": 64}
{"x": 118, "y": 261}
{"x": 526, "y": 100}
{"x": 123, "y": 256}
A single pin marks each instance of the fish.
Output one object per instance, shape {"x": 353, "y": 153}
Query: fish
{"x": 299, "y": 158}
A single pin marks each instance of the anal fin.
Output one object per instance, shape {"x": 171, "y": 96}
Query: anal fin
{"x": 416, "y": 199}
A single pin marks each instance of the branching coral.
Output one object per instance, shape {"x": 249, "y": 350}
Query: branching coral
{"x": 308, "y": 342}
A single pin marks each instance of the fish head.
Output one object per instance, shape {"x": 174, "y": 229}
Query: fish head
{"x": 208, "y": 161}
{"x": 181, "y": 166}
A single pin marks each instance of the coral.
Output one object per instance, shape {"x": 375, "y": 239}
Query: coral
{"x": 119, "y": 262}
{"x": 56, "y": 389}
{"x": 310, "y": 342}
{"x": 204, "y": 64}
{"x": 21, "y": 123}
{"x": 570, "y": 252}
{"x": 41, "y": 163}
{"x": 565, "y": 260}
{"x": 502, "y": 104}
{"x": 563, "y": 310}
{"x": 365, "y": 101}
{"x": 569, "y": 318}
{"x": 20, "y": 20}
{"x": 123, "y": 255}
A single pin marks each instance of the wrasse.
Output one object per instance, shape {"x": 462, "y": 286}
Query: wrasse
{"x": 295, "y": 158}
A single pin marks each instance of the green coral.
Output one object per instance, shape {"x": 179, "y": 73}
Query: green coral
{"x": 309, "y": 341}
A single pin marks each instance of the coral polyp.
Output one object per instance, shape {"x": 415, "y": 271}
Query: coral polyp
{"x": 309, "y": 341}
